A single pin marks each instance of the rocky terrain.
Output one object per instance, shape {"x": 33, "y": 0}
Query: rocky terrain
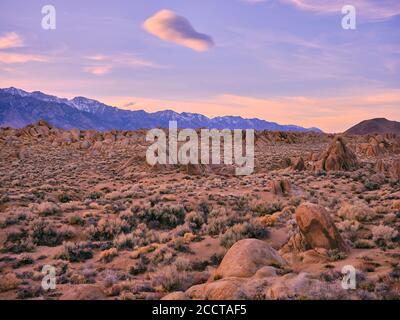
{"x": 87, "y": 203}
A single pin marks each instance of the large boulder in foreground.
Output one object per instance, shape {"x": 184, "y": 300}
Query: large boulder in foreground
{"x": 224, "y": 289}
{"x": 317, "y": 228}
{"x": 337, "y": 157}
{"x": 246, "y": 257}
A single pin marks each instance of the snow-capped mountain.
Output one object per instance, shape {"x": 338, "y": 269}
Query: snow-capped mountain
{"x": 19, "y": 108}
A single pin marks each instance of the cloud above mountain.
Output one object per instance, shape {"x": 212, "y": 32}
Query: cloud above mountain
{"x": 168, "y": 26}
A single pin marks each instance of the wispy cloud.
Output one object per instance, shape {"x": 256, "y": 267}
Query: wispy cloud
{"x": 168, "y": 26}
{"x": 14, "y": 58}
{"x": 100, "y": 64}
{"x": 253, "y": 1}
{"x": 367, "y": 9}
{"x": 11, "y": 40}
{"x": 98, "y": 70}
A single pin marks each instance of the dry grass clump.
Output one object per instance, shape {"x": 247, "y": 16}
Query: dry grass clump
{"x": 108, "y": 255}
{"x": 72, "y": 206}
{"x": 252, "y": 229}
{"x": 170, "y": 279}
{"x": 383, "y": 235}
{"x": 47, "y": 209}
{"x": 357, "y": 211}
{"x": 140, "y": 236}
{"x": 9, "y": 282}
{"x": 107, "y": 229}
{"x": 262, "y": 208}
{"x": 195, "y": 220}
{"x": 76, "y": 221}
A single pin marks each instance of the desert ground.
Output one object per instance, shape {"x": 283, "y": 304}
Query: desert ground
{"x": 113, "y": 227}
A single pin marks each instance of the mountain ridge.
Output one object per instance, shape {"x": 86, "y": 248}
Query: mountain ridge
{"x": 373, "y": 126}
{"x": 19, "y": 108}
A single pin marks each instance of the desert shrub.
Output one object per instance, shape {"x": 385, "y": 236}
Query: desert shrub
{"x": 115, "y": 195}
{"x": 48, "y": 209}
{"x": 336, "y": 255}
{"x": 182, "y": 264}
{"x": 29, "y": 292}
{"x": 110, "y": 278}
{"x": 349, "y": 228}
{"x": 179, "y": 245}
{"x": 204, "y": 208}
{"x": 358, "y": 211}
{"x": 95, "y": 195}
{"x": 18, "y": 242}
{"x": 64, "y": 198}
{"x": 72, "y": 206}
{"x": 107, "y": 229}
{"x": 23, "y": 261}
{"x": 45, "y": 234}
{"x": 363, "y": 244}
{"x": 217, "y": 225}
{"x": 262, "y": 208}
{"x": 383, "y": 235}
{"x": 9, "y": 282}
{"x": 195, "y": 220}
{"x": 170, "y": 279}
{"x": 216, "y": 258}
{"x": 139, "y": 267}
{"x": 11, "y": 220}
{"x": 371, "y": 185}
{"x": 252, "y": 229}
{"x": 125, "y": 241}
{"x": 76, "y": 221}
{"x": 75, "y": 252}
{"x": 162, "y": 216}
{"x": 199, "y": 265}
{"x": 163, "y": 256}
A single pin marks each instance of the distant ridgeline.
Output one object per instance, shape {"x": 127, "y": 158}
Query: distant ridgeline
{"x": 19, "y": 108}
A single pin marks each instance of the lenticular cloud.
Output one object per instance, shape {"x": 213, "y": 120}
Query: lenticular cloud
{"x": 168, "y": 26}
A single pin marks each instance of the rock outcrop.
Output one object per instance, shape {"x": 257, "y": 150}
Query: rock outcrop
{"x": 395, "y": 169}
{"x": 280, "y": 187}
{"x": 316, "y": 230}
{"x": 337, "y": 157}
{"x": 298, "y": 164}
{"x": 317, "y": 227}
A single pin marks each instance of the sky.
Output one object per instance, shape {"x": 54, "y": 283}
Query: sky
{"x": 288, "y": 61}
